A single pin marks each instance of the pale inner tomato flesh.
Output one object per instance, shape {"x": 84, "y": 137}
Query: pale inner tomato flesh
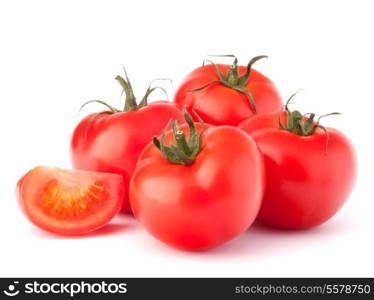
{"x": 66, "y": 201}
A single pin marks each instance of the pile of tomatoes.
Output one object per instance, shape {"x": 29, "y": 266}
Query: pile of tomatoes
{"x": 198, "y": 171}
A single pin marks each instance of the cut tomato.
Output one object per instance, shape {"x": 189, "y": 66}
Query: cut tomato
{"x": 70, "y": 202}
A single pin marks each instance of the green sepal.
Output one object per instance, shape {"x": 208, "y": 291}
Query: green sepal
{"x": 303, "y": 125}
{"x": 130, "y": 100}
{"x": 232, "y": 79}
{"x": 150, "y": 90}
{"x": 183, "y": 152}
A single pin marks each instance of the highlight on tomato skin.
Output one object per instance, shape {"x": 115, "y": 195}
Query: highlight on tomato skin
{"x": 69, "y": 202}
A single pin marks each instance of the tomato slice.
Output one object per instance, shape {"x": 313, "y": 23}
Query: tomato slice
{"x": 70, "y": 202}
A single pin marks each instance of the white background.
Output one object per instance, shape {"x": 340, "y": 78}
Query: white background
{"x": 54, "y": 55}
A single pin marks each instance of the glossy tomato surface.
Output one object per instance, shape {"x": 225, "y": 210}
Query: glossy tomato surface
{"x": 308, "y": 181}
{"x": 69, "y": 202}
{"x": 112, "y": 143}
{"x": 221, "y": 105}
{"x": 205, "y": 204}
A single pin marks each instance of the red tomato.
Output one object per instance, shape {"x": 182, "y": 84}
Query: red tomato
{"x": 112, "y": 141}
{"x": 228, "y": 102}
{"x": 70, "y": 202}
{"x": 208, "y": 201}
{"x": 308, "y": 177}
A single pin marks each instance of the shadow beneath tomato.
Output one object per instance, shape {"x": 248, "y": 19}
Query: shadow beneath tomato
{"x": 262, "y": 241}
{"x": 109, "y": 229}
{"x": 119, "y": 225}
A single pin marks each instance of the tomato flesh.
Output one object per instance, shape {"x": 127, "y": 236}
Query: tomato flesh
{"x": 70, "y": 202}
{"x": 65, "y": 202}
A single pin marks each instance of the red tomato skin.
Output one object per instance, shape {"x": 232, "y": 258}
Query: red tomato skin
{"x": 220, "y": 105}
{"x": 306, "y": 186}
{"x": 30, "y": 187}
{"x": 112, "y": 143}
{"x": 203, "y": 205}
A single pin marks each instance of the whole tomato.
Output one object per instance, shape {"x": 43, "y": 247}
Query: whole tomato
{"x": 310, "y": 169}
{"x": 227, "y": 95}
{"x": 200, "y": 193}
{"x": 111, "y": 141}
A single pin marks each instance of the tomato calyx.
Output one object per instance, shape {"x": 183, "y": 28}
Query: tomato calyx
{"x": 303, "y": 125}
{"x": 183, "y": 152}
{"x": 130, "y": 100}
{"x": 232, "y": 79}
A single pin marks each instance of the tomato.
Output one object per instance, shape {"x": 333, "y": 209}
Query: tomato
{"x": 199, "y": 194}
{"x": 70, "y": 202}
{"x": 111, "y": 141}
{"x": 310, "y": 169}
{"x": 227, "y": 95}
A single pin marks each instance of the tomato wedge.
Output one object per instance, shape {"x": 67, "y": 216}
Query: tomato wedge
{"x": 70, "y": 202}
